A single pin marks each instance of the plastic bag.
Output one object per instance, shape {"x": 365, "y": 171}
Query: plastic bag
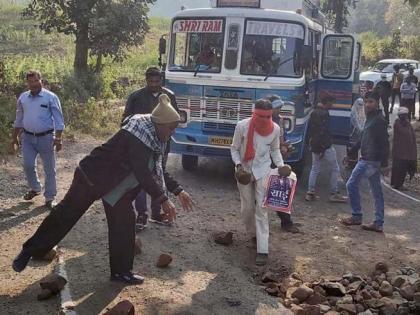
{"x": 280, "y": 192}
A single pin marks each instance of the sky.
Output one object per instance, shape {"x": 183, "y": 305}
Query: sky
{"x": 168, "y": 8}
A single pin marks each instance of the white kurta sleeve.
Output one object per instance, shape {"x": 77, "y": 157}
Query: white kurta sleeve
{"x": 275, "y": 150}
{"x": 235, "y": 149}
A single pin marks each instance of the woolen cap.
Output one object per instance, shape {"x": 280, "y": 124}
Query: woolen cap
{"x": 165, "y": 113}
{"x": 403, "y": 110}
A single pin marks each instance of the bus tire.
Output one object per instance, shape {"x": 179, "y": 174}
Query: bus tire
{"x": 189, "y": 162}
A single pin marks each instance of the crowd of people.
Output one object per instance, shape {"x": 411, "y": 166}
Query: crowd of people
{"x": 132, "y": 165}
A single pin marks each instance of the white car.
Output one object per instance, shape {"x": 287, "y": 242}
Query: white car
{"x": 369, "y": 79}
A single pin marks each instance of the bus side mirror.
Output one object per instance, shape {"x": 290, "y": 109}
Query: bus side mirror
{"x": 307, "y": 56}
{"x": 162, "y": 46}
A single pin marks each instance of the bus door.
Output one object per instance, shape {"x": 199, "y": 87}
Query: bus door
{"x": 338, "y": 62}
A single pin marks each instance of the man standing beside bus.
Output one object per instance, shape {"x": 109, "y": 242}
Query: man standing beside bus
{"x": 39, "y": 117}
{"x": 144, "y": 101}
{"x": 256, "y": 144}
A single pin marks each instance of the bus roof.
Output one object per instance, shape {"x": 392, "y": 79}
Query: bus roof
{"x": 249, "y": 13}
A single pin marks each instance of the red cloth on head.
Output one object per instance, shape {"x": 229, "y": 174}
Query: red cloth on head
{"x": 262, "y": 123}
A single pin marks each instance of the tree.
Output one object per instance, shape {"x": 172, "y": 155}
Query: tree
{"x": 101, "y": 27}
{"x": 400, "y": 16}
{"x": 337, "y": 12}
{"x": 369, "y": 17}
{"x": 413, "y": 3}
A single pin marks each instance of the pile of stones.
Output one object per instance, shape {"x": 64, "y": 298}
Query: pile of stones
{"x": 383, "y": 292}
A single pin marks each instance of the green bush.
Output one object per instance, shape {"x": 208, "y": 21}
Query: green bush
{"x": 7, "y": 116}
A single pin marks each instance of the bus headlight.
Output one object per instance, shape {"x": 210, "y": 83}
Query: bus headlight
{"x": 287, "y": 124}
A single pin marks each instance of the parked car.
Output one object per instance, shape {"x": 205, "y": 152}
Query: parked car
{"x": 369, "y": 79}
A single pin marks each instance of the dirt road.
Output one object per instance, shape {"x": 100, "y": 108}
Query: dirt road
{"x": 204, "y": 276}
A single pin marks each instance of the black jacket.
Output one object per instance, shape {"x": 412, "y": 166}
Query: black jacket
{"x": 384, "y": 89}
{"x": 318, "y": 130}
{"x": 374, "y": 144}
{"x": 107, "y": 165}
{"x": 144, "y": 102}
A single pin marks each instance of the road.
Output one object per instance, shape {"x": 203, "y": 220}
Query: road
{"x": 202, "y": 274}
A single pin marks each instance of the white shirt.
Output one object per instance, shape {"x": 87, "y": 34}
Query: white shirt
{"x": 264, "y": 147}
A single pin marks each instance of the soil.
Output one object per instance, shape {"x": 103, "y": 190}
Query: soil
{"x": 204, "y": 277}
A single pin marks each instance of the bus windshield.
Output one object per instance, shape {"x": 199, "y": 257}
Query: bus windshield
{"x": 272, "y": 49}
{"x": 197, "y": 45}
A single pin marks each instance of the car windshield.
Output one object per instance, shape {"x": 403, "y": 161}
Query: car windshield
{"x": 197, "y": 45}
{"x": 388, "y": 67}
{"x": 272, "y": 49}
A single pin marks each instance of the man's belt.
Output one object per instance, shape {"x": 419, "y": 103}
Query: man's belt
{"x": 39, "y": 134}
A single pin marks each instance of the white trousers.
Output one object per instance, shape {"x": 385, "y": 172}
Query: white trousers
{"x": 254, "y": 216}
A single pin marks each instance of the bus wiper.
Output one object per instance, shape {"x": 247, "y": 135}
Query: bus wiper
{"x": 269, "y": 73}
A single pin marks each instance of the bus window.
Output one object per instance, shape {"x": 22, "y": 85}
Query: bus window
{"x": 337, "y": 57}
{"x": 272, "y": 49}
{"x": 232, "y": 47}
{"x": 197, "y": 45}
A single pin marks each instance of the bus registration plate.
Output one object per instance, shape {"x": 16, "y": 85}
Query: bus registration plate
{"x": 222, "y": 141}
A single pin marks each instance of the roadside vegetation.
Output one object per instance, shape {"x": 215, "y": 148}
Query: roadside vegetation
{"x": 92, "y": 106}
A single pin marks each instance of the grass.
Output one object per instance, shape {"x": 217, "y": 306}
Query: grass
{"x": 95, "y": 110}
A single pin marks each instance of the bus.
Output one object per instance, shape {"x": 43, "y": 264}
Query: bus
{"x": 220, "y": 60}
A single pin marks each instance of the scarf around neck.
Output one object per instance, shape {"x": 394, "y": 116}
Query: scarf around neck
{"x": 262, "y": 125}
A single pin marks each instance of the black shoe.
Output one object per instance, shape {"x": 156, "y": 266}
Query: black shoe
{"x": 127, "y": 277}
{"x": 31, "y": 195}
{"x": 50, "y": 204}
{"x": 21, "y": 261}
{"x": 141, "y": 223}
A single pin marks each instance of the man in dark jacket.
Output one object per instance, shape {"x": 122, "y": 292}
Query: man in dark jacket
{"x": 320, "y": 142}
{"x": 144, "y": 101}
{"x": 115, "y": 172}
{"x": 384, "y": 88}
{"x": 374, "y": 150}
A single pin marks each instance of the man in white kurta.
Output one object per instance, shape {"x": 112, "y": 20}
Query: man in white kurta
{"x": 266, "y": 147}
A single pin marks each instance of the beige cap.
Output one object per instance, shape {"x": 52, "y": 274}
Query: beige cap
{"x": 164, "y": 113}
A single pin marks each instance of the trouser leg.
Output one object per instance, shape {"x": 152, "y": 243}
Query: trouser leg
{"x": 30, "y": 154}
{"x": 398, "y": 173}
{"x": 385, "y": 104}
{"x": 353, "y": 189}
{"x": 140, "y": 204}
{"x": 313, "y": 175}
{"x": 261, "y": 218}
{"x": 121, "y": 233}
{"x": 331, "y": 157}
{"x": 45, "y": 148}
{"x": 286, "y": 218}
{"x": 376, "y": 188}
{"x": 247, "y": 194}
{"x": 62, "y": 218}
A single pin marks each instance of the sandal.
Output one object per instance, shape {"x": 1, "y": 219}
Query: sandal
{"x": 350, "y": 221}
{"x": 160, "y": 220}
{"x": 373, "y": 228}
{"x": 31, "y": 195}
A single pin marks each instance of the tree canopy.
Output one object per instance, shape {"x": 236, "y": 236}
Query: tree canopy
{"x": 337, "y": 12}
{"x": 100, "y": 27}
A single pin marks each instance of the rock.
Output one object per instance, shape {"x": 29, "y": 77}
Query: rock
{"x": 164, "y": 260}
{"x": 297, "y": 310}
{"x": 375, "y": 294}
{"x": 367, "y": 312}
{"x": 288, "y": 302}
{"x": 416, "y": 285}
{"x": 333, "y": 300}
{"x": 374, "y": 303}
{"x": 334, "y": 288}
{"x": 332, "y": 313}
{"x": 349, "y": 308}
{"x": 122, "y": 308}
{"x": 272, "y": 289}
{"x": 358, "y": 298}
{"x": 45, "y": 294}
{"x": 311, "y": 309}
{"x": 324, "y": 308}
{"x": 269, "y": 277}
{"x": 347, "y": 299}
{"x": 345, "y": 282}
{"x": 399, "y": 281}
{"x": 416, "y": 298}
{"x": 360, "y": 308}
{"x": 223, "y": 238}
{"x": 390, "y": 276}
{"x": 403, "y": 310}
{"x": 365, "y": 295}
{"x": 381, "y": 267}
{"x": 316, "y": 299}
{"x": 386, "y": 289}
{"x": 355, "y": 286}
{"x": 302, "y": 293}
{"x": 388, "y": 310}
{"x": 296, "y": 276}
{"x": 407, "y": 292}
{"x": 137, "y": 246}
{"x": 55, "y": 283}
{"x": 320, "y": 290}
{"x": 375, "y": 285}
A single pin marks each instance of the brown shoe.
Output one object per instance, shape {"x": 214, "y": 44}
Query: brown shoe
{"x": 350, "y": 221}
{"x": 261, "y": 259}
{"x": 373, "y": 228}
{"x": 337, "y": 198}
{"x": 31, "y": 195}
{"x": 291, "y": 228}
{"x": 311, "y": 197}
